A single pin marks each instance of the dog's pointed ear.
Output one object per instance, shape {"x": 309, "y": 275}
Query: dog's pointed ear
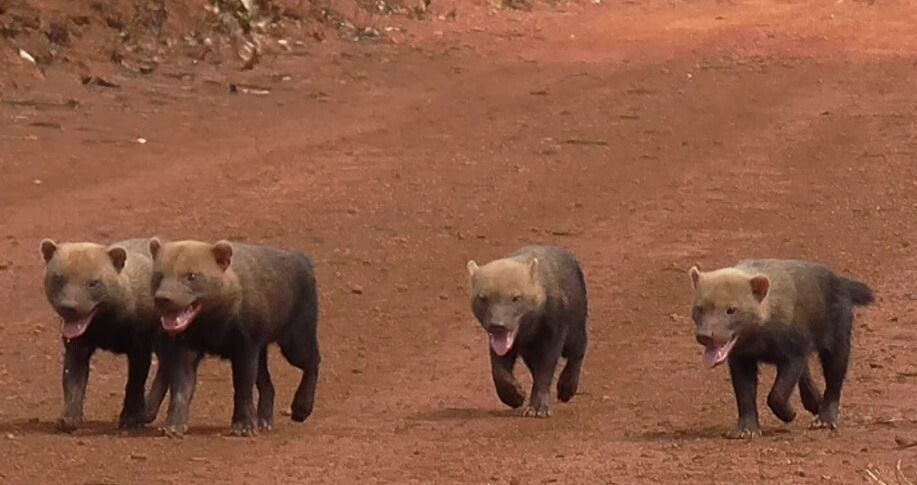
{"x": 48, "y": 248}
{"x": 118, "y": 257}
{"x": 222, "y": 253}
{"x": 694, "y": 272}
{"x": 155, "y": 247}
{"x": 472, "y": 267}
{"x": 760, "y": 286}
{"x": 533, "y": 270}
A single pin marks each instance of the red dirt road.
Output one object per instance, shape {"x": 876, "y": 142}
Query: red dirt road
{"x": 645, "y": 136}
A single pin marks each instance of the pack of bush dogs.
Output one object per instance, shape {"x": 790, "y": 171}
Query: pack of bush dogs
{"x": 184, "y": 300}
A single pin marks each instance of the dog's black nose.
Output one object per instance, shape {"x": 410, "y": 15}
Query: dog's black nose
{"x": 705, "y": 339}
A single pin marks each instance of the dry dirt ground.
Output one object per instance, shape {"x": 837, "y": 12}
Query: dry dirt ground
{"x": 646, "y": 136}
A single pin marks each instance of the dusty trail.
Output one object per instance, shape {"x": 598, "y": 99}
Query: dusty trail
{"x": 657, "y": 137}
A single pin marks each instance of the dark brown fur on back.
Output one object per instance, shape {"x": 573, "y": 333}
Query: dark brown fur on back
{"x": 248, "y": 296}
{"x": 778, "y": 312}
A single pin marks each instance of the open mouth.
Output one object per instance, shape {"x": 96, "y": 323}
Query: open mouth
{"x": 176, "y": 322}
{"x": 74, "y": 328}
{"x": 501, "y": 340}
{"x": 716, "y": 354}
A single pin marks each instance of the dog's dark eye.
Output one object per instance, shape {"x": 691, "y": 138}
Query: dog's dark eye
{"x": 731, "y": 310}
{"x": 94, "y": 284}
{"x": 190, "y": 277}
{"x": 516, "y": 298}
{"x": 482, "y": 298}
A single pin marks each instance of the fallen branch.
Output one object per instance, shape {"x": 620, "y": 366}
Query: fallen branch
{"x": 875, "y": 476}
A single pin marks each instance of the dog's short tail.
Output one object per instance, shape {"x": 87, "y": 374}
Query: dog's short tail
{"x": 859, "y": 293}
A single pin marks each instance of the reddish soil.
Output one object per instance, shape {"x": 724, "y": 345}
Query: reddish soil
{"x": 646, "y": 136}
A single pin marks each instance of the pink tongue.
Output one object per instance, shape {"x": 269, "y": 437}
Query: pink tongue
{"x": 74, "y": 328}
{"x": 711, "y": 356}
{"x": 715, "y": 355}
{"x": 176, "y": 323}
{"x": 501, "y": 343}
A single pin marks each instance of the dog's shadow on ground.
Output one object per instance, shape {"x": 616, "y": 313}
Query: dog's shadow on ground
{"x": 701, "y": 433}
{"x": 34, "y": 426}
{"x": 449, "y": 414}
{"x": 90, "y": 428}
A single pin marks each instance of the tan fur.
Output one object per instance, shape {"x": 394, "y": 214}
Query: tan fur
{"x": 231, "y": 300}
{"x": 792, "y": 292}
{"x": 81, "y": 262}
{"x": 507, "y": 277}
{"x": 532, "y": 304}
{"x": 211, "y": 260}
{"x": 137, "y": 271}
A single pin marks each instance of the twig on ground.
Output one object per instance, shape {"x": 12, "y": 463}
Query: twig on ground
{"x": 903, "y": 480}
{"x": 875, "y": 476}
